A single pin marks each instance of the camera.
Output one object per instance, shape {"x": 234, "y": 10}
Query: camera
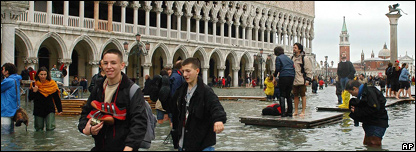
{"x": 94, "y": 121}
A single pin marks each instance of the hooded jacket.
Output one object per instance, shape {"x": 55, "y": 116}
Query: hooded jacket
{"x": 204, "y": 110}
{"x": 297, "y": 61}
{"x": 129, "y": 132}
{"x": 9, "y": 105}
{"x": 370, "y": 109}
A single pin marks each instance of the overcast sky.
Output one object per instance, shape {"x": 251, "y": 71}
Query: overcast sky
{"x": 368, "y": 31}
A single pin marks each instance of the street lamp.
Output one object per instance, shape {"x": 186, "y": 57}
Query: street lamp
{"x": 326, "y": 71}
{"x": 259, "y": 59}
{"x": 138, "y": 51}
{"x": 363, "y": 64}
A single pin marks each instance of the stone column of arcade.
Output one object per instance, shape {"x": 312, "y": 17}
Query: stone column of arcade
{"x": 235, "y": 77}
{"x": 205, "y": 74}
{"x": 10, "y": 11}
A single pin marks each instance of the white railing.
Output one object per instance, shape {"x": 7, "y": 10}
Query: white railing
{"x": 218, "y": 39}
{"x": 226, "y": 41}
{"x": 183, "y": 35}
{"x": 253, "y": 43}
{"x": 210, "y": 38}
{"x": 89, "y": 23}
{"x": 73, "y": 21}
{"x": 57, "y": 19}
{"x": 116, "y": 27}
{"x": 163, "y": 32}
{"x": 152, "y": 31}
{"x": 141, "y": 29}
{"x": 173, "y": 34}
{"x": 102, "y": 24}
{"x": 40, "y": 17}
{"x": 129, "y": 28}
{"x": 240, "y": 42}
{"x": 23, "y": 16}
{"x": 234, "y": 41}
{"x": 202, "y": 37}
{"x": 246, "y": 43}
{"x": 193, "y": 36}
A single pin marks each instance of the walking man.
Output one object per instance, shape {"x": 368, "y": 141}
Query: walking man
{"x": 303, "y": 73}
{"x": 128, "y": 127}
{"x": 197, "y": 114}
{"x": 345, "y": 73}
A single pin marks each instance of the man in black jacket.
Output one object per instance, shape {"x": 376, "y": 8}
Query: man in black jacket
{"x": 345, "y": 71}
{"x": 97, "y": 77}
{"x": 369, "y": 108}
{"x": 130, "y": 117}
{"x": 197, "y": 114}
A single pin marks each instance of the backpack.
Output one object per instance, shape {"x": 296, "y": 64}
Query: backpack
{"x": 151, "y": 120}
{"x": 389, "y": 71}
{"x": 302, "y": 68}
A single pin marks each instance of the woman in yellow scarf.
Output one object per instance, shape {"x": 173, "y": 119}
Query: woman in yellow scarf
{"x": 45, "y": 95}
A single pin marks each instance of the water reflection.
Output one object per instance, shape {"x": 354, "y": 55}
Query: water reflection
{"x": 342, "y": 135}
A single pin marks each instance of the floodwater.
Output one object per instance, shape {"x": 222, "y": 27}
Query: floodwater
{"x": 238, "y": 136}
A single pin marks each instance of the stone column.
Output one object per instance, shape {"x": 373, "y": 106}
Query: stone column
{"x": 262, "y": 37}
{"x": 221, "y": 71}
{"x": 273, "y": 37}
{"x": 147, "y": 23}
{"x": 10, "y": 11}
{"x": 214, "y": 30}
{"x": 188, "y": 26}
{"x": 95, "y": 68}
{"x": 256, "y": 35}
{"x": 268, "y": 36}
{"x": 178, "y": 24}
{"x": 169, "y": 24}
{"x": 31, "y": 62}
{"x": 230, "y": 23}
{"x": 205, "y": 74}
{"x": 110, "y": 15}
{"x": 158, "y": 11}
{"x": 394, "y": 19}
{"x": 237, "y": 31}
{"x": 244, "y": 34}
{"x": 96, "y": 14}
{"x": 235, "y": 77}
{"x": 66, "y": 62}
{"x": 135, "y": 16}
{"x": 250, "y": 35}
{"x": 197, "y": 18}
{"x": 123, "y": 15}
{"x": 48, "y": 12}
{"x": 222, "y": 31}
{"x": 146, "y": 71}
{"x": 31, "y": 14}
{"x": 206, "y": 19}
{"x": 66, "y": 12}
{"x": 284, "y": 38}
{"x": 81, "y": 14}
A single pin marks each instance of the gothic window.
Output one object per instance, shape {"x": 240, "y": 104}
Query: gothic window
{"x": 346, "y": 39}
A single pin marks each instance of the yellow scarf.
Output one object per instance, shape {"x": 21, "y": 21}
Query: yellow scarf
{"x": 47, "y": 88}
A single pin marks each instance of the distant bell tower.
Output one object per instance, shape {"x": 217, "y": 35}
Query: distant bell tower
{"x": 344, "y": 43}
{"x": 362, "y": 56}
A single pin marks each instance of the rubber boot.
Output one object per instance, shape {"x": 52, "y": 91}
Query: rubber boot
{"x": 289, "y": 107}
{"x": 282, "y": 106}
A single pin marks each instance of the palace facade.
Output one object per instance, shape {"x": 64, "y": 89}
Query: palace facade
{"x": 224, "y": 35}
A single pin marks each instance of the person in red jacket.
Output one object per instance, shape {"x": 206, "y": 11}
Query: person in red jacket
{"x": 321, "y": 84}
{"x": 223, "y": 82}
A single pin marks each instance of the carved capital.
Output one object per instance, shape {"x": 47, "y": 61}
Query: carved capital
{"x": 31, "y": 60}
{"x": 136, "y": 5}
{"x": 65, "y": 61}
{"x": 236, "y": 69}
{"x": 206, "y": 18}
{"x": 11, "y": 10}
{"x": 124, "y": 3}
{"x": 178, "y": 13}
{"x": 147, "y": 8}
{"x": 197, "y": 17}
{"x": 169, "y": 12}
{"x": 230, "y": 22}
{"x": 221, "y": 67}
{"x": 147, "y": 65}
{"x": 94, "y": 62}
{"x": 158, "y": 10}
{"x": 214, "y": 20}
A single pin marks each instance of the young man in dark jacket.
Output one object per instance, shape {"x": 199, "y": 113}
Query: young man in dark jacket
{"x": 369, "y": 108}
{"x": 197, "y": 114}
{"x": 130, "y": 117}
{"x": 97, "y": 77}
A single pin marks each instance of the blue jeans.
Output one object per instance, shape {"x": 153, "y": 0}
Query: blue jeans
{"x": 7, "y": 125}
{"x": 344, "y": 82}
{"x": 373, "y": 130}
{"x": 210, "y": 148}
{"x": 339, "y": 99}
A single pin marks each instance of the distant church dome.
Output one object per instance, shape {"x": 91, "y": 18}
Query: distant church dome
{"x": 384, "y": 53}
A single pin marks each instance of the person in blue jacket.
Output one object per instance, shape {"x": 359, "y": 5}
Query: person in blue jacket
{"x": 286, "y": 70}
{"x": 10, "y": 97}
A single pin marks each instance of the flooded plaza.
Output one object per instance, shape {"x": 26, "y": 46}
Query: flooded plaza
{"x": 237, "y": 136}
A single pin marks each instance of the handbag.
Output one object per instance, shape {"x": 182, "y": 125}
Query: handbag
{"x": 21, "y": 115}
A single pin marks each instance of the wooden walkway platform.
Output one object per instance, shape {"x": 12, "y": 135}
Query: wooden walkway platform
{"x": 309, "y": 121}
{"x": 390, "y": 102}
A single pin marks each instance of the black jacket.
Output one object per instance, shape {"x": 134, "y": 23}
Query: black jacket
{"x": 95, "y": 78}
{"x": 42, "y": 106}
{"x": 371, "y": 108}
{"x": 345, "y": 69}
{"x": 129, "y": 132}
{"x": 204, "y": 110}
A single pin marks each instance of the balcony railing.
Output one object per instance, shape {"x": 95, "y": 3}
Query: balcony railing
{"x": 102, "y": 24}
{"x": 89, "y": 23}
{"x": 116, "y": 27}
{"x": 173, "y": 34}
{"x": 23, "y": 16}
{"x": 129, "y": 28}
{"x": 210, "y": 38}
{"x": 153, "y": 31}
{"x": 73, "y": 21}
{"x": 202, "y": 37}
{"x": 163, "y": 32}
{"x": 40, "y": 17}
{"x": 193, "y": 36}
{"x": 57, "y": 19}
{"x": 183, "y": 35}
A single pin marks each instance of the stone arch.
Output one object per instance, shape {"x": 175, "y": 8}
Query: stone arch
{"x": 165, "y": 56}
{"x": 201, "y": 50}
{"x": 220, "y": 56}
{"x": 248, "y": 57}
{"x": 164, "y": 49}
{"x": 26, "y": 41}
{"x": 234, "y": 57}
{"x": 58, "y": 39}
{"x": 134, "y": 45}
{"x": 94, "y": 55}
{"x": 115, "y": 42}
{"x": 182, "y": 51}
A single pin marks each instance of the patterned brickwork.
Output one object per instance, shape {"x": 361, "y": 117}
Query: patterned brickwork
{"x": 303, "y": 7}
